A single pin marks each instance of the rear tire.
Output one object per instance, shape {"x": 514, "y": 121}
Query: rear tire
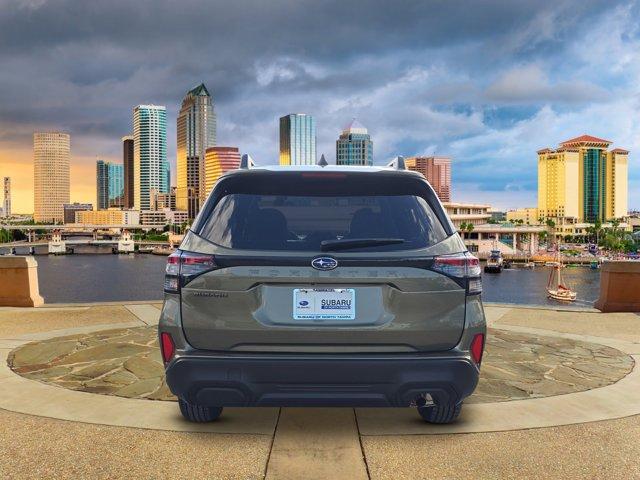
{"x": 198, "y": 413}
{"x": 440, "y": 413}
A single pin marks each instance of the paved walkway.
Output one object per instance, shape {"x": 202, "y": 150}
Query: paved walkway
{"x": 321, "y": 443}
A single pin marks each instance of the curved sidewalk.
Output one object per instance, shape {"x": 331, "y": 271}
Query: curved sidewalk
{"x": 21, "y": 395}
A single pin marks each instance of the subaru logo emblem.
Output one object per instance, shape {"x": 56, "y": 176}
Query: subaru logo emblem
{"x": 324, "y": 263}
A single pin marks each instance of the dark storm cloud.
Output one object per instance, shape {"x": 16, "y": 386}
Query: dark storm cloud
{"x": 420, "y": 74}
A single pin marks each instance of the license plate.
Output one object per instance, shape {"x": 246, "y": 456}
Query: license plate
{"x": 324, "y": 304}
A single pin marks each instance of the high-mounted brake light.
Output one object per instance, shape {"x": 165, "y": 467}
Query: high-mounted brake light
{"x": 182, "y": 267}
{"x": 324, "y": 175}
{"x": 462, "y": 266}
{"x": 477, "y": 347}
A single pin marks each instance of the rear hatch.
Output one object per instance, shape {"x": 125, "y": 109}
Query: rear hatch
{"x": 322, "y": 262}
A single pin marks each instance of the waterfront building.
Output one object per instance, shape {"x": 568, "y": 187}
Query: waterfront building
{"x": 109, "y": 185}
{"x": 70, "y": 210}
{"x": 297, "y": 139}
{"x": 218, "y": 161}
{"x": 51, "y": 162}
{"x": 354, "y": 146}
{"x": 150, "y": 165}
{"x": 162, "y": 201}
{"x": 581, "y": 181}
{"x": 529, "y": 216}
{"x": 437, "y": 171}
{"x": 111, "y": 216}
{"x": 160, "y": 218}
{"x": 484, "y": 237}
{"x": 196, "y": 131}
{"x": 127, "y": 165}
{"x": 6, "y": 210}
{"x": 467, "y": 213}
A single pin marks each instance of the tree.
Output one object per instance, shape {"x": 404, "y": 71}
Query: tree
{"x": 542, "y": 236}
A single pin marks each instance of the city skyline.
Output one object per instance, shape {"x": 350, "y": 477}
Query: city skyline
{"x": 418, "y": 95}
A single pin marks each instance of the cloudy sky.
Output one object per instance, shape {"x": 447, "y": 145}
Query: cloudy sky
{"x": 485, "y": 82}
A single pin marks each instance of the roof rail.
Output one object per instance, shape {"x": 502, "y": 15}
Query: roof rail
{"x": 397, "y": 163}
{"x": 322, "y": 162}
{"x": 247, "y": 162}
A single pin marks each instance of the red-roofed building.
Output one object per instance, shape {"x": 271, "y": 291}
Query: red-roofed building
{"x": 586, "y": 140}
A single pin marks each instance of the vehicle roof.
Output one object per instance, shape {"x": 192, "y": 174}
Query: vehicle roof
{"x": 318, "y": 168}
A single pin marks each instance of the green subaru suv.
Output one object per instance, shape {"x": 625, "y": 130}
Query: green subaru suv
{"x": 322, "y": 286}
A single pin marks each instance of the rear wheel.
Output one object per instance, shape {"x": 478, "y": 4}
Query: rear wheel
{"x": 198, "y": 413}
{"x": 440, "y": 413}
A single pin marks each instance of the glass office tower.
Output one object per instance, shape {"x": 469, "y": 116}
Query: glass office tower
{"x": 297, "y": 139}
{"x": 196, "y": 131}
{"x": 150, "y": 165}
{"x": 354, "y": 146}
{"x": 109, "y": 185}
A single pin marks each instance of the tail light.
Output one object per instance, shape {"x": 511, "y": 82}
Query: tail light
{"x": 167, "y": 347}
{"x": 461, "y": 266}
{"x": 182, "y": 267}
{"x": 477, "y": 347}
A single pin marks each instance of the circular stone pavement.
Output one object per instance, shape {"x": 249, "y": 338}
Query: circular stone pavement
{"x": 127, "y": 363}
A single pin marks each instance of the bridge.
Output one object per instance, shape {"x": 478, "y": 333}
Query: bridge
{"x": 86, "y": 227}
{"x": 58, "y": 245}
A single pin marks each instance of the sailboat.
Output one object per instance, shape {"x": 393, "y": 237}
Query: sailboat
{"x": 556, "y": 287}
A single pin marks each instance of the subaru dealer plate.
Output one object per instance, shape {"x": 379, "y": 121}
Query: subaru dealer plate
{"x": 324, "y": 304}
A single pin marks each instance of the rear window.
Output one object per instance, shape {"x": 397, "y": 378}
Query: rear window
{"x": 302, "y": 223}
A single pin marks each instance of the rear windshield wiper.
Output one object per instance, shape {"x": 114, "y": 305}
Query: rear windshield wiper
{"x": 347, "y": 243}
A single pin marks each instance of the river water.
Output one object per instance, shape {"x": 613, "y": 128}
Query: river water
{"x": 82, "y": 278}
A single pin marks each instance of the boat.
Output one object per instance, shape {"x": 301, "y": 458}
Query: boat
{"x": 494, "y": 262}
{"x": 594, "y": 265}
{"x": 556, "y": 287}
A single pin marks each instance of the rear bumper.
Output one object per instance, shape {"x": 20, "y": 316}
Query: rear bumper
{"x": 261, "y": 380}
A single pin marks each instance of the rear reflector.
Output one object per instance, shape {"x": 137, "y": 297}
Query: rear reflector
{"x": 167, "y": 347}
{"x": 477, "y": 347}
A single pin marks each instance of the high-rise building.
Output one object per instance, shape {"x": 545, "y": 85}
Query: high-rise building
{"x": 70, "y": 210}
{"x": 219, "y": 160}
{"x": 297, "y": 139}
{"x": 196, "y": 131}
{"x": 127, "y": 162}
{"x": 163, "y": 201}
{"x": 582, "y": 181}
{"x": 437, "y": 171}
{"x": 109, "y": 185}
{"x": 51, "y": 159}
{"x": 354, "y": 146}
{"x": 102, "y": 185}
{"x": 150, "y": 165}
{"x": 116, "y": 185}
{"x": 7, "y": 197}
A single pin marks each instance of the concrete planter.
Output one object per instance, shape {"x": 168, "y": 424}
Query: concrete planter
{"x": 19, "y": 282}
{"x": 619, "y": 287}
